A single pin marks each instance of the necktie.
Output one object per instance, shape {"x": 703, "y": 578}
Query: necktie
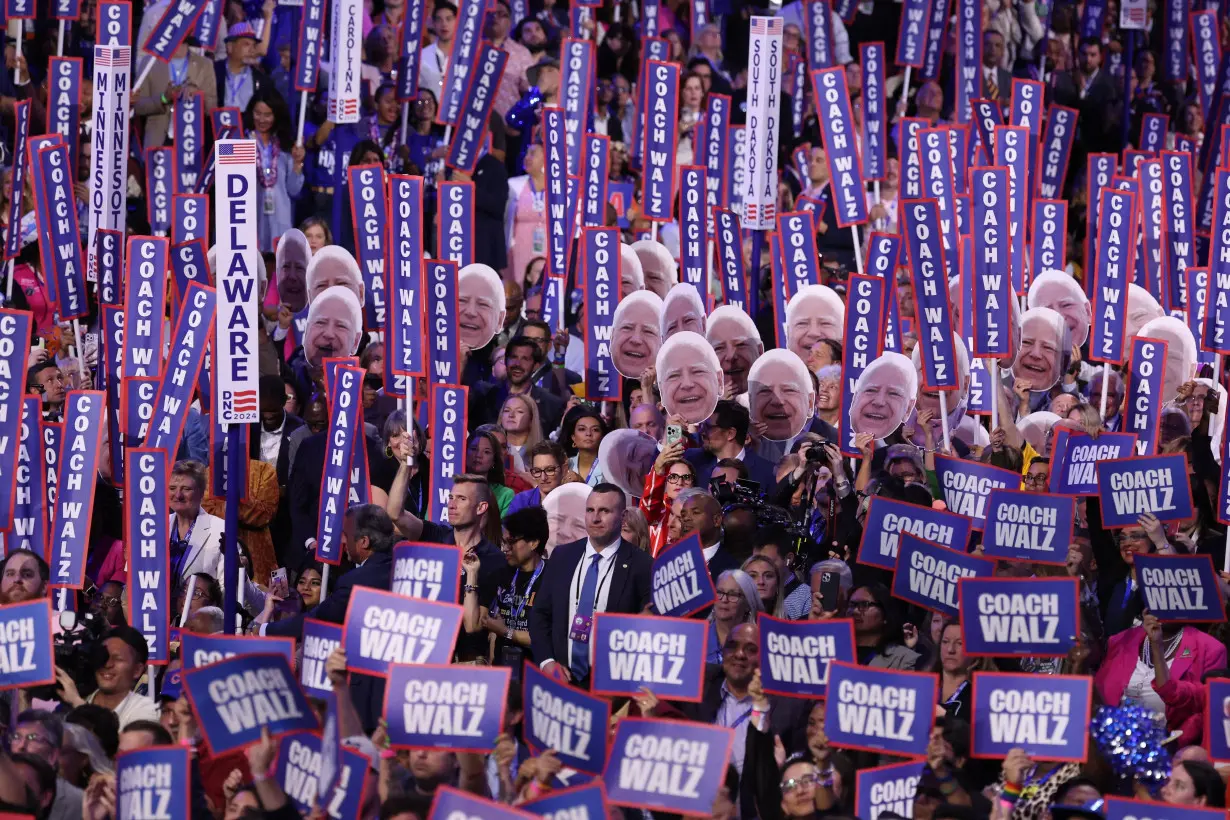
{"x": 585, "y": 609}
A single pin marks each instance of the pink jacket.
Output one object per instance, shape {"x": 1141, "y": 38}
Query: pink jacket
{"x": 1183, "y": 694}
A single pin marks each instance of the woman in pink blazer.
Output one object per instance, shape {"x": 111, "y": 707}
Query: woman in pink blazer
{"x": 1160, "y": 666}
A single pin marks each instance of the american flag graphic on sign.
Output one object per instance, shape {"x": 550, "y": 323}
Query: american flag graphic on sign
{"x": 112, "y": 56}
{"x": 243, "y": 401}
{"x": 766, "y": 25}
{"x": 243, "y": 153}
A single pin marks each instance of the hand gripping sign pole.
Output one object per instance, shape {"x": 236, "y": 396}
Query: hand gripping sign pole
{"x": 235, "y": 367}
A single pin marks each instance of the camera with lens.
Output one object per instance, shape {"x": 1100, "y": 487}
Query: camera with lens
{"x": 77, "y": 648}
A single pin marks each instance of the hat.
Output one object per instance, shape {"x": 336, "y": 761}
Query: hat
{"x": 238, "y": 30}
{"x": 1089, "y": 810}
{"x": 904, "y": 452}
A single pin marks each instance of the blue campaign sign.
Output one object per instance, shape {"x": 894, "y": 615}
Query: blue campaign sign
{"x": 887, "y": 789}
{"x": 1032, "y": 527}
{"x": 202, "y": 650}
{"x": 602, "y": 293}
{"x": 319, "y": 641}
{"x": 382, "y": 628}
{"x": 1037, "y": 617}
{"x": 664, "y": 655}
{"x": 880, "y": 710}
{"x": 560, "y": 717}
{"x": 1217, "y": 728}
{"x": 1074, "y": 459}
{"x": 298, "y": 768}
{"x": 1129, "y": 487}
{"x": 887, "y": 519}
{"x": 967, "y": 485}
{"x": 152, "y": 782}
{"x": 1145, "y": 392}
{"x": 795, "y": 655}
{"x": 1181, "y": 588}
{"x": 927, "y": 574}
{"x": 667, "y": 765}
{"x": 840, "y": 143}
{"x": 235, "y": 699}
{"x": 25, "y": 651}
{"x": 921, "y": 225}
{"x": 451, "y": 804}
{"x": 457, "y": 708}
{"x": 992, "y": 275}
{"x": 1113, "y": 274}
{"x": 588, "y": 801}
{"x": 431, "y": 572}
{"x": 680, "y": 583}
{"x": 1121, "y": 808}
{"x": 1046, "y": 715}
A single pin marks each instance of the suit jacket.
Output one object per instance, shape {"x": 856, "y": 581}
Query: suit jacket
{"x": 292, "y": 423}
{"x": 787, "y": 715}
{"x": 201, "y": 77}
{"x": 1183, "y": 695}
{"x": 759, "y": 469}
{"x": 1003, "y": 81}
{"x": 366, "y": 691}
{"x": 629, "y": 594}
{"x": 721, "y": 561}
{"x": 205, "y": 551}
{"x": 260, "y": 80}
{"x": 303, "y": 489}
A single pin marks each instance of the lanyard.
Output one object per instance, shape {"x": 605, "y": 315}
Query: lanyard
{"x": 184, "y": 544}
{"x": 957, "y": 693}
{"x": 1127, "y": 591}
{"x": 178, "y": 74}
{"x": 233, "y": 88}
{"x": 741, "y": 718}
{"x": 578, "y": 586}
{"x": 530, "y": 587}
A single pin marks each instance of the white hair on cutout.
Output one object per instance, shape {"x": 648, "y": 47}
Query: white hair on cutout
{"x": 1058, "y": 277}
{"x": 489, "y": 273}
{"x": 647, "y": 297}
{"x": 899, "y": 362}
{"x": 735, "y": 314}
{"x": 630, "y": 264}
{"x": 340, "y": 293}
{"x": 788, "y": 358}
{"x": 686, "y": 338}
{"x": 826, "y": 294}
{"x": 339, "y": 255}
{"x": 654, "y": 253}
{"x": 686, "y": 292}
{"x": 1170, "y": 327}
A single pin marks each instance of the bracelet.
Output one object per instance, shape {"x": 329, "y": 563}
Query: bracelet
{"x": 259, "y": 778}
{"x": 468, "y": 588}
{"x": 1010, "y": 794}
{"x": 387, "y": 754}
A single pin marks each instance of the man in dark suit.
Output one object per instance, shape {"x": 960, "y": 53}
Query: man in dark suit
{"x": 724, "y": 435}
{"x": 601, "y": 573}
{"x": 303, "y": 489}
{"x": 237, "y": 81}
{"x": 1091, "y": 89}
{"x": 367, "y": 540}
{"x": 272, "y": 446}
{"x": 699, "y": 512}
{"x": 996, "y": 81}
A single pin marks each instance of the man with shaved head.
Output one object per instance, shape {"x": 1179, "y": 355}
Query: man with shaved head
{"x": 699, "y": 512}
{"x": 648, "y": 419}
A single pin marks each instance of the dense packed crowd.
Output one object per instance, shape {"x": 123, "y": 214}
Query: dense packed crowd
{"x": 764, "y": 423}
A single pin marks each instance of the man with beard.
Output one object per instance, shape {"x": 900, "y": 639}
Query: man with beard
{"x": 533, "y": 36}
{"x": 23, "y": 577}
{"x": 737, "y": 343}
{"x": 724, "y": 435}
{"x": 522, "y": 358}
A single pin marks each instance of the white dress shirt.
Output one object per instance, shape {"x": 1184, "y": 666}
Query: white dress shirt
{"x": 709, "y": 552}
{"x": 606, "y": 568}
{"x": 433, "y": 68}
{"x": 271, "y": 443}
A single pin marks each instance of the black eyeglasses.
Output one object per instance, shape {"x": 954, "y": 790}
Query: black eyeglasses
{"x": 863, "y": 606}
{"x": 539, "y": 472}
{"x": 680, "y": 478}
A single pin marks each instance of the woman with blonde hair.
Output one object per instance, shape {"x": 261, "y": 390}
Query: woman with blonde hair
{"x": 635, "y": 528}
{"x": 737, "y": 602}
{"x": 522, "y": 427}
{"x": 763, "y": 573}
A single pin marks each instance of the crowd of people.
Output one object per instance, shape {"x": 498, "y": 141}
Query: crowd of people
{"x": 730, "y": 428}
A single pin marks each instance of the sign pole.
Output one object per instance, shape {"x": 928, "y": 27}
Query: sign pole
{"x": 753, "y": 292}
{"x": 234, "y": 442}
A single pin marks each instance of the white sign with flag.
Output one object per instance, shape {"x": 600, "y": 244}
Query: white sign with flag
{"x": 1133, "y": 15}
{"x": 346, "y": 81}
{"x": 764, "y": 88}
{"x": 238, "y": 265}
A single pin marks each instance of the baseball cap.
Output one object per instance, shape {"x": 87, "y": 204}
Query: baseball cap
{"x": 241, "y": 29}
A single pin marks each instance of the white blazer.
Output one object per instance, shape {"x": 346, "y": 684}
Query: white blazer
{"x": 204, "y": 548}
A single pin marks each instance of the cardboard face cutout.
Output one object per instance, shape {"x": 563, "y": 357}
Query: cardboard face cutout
{"x": 1058, "y": 291}
{"x": 780, "y": 395}
{"x": 689, "y": 377}
{"x": 334, "y": 325}
{"x": 737, "y": 343}
{"x": 625, "y": 457}
{"x": 816, "y": 312}
{"x": 480, "y": 305}
{"x": 636, "y": 333}
{"x": 1045, "y": 349}
{"x": 884, "y": 395}
{"x": 293, "y": 257}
